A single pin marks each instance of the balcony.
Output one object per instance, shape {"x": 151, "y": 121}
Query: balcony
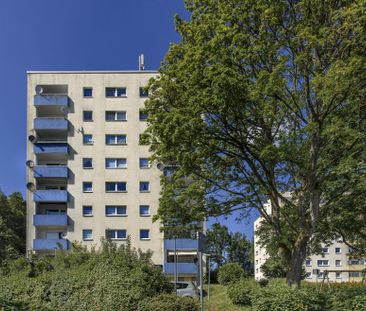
{"x": 46, "y": 148}
{"x": 181, "y": 244}
{"x": 44, "y": 171}
{"x": 50, "y": 244}
{"x": 51, "y": 100}
{"x": 183, "y": 268}
{"x": 50, "y": 196}
{"x": 50, "y": 220}
{"x": 50, "y": 124}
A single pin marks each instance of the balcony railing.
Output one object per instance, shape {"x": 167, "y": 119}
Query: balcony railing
{"x": 50, "y": 148}
{"x": 50, "y": 220}
{"x": 50, "y": 196}
{"x": 183, "y": 268}
{"x": 51, "y": 100}
{"x": 44, "y": 171}
{"x": 50, "y": 244}
{"x": 52, "y": 124}
{"x": 181, "y": 244}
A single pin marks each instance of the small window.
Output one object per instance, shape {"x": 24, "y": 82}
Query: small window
{"x": 325, "y": 250}
{"x": 144, "y": 92}
{"x": 115, "y": 186}
{"x": 115, "y": 163}
{"x": 144, "y": 186}
{"x": 338, "y": 263}
{"x": 87, "y": 163}
{"x": 308, "y": 275}
{"x": 115, "y": 139}
{"x": 118, "y": 210}
{"x": 143, "y": 115}
{"x": 144, "y": 210}
{"x": 320, "y": 275}
{"x": 87, "y": 186}
{"x": 115, "y": 116}
{"x": 88, "y": 139}
{"x": 308, "y": 262}
{"x": 88, "y": 92}
{"x": 338, "y": 250}
{"x": 144, "y": 234}
{"x": 88, "y": 115}
{"x": 87, "y": 234}
{"x": 116, "y": 234}
{"x": 144, "y": 163}
{"x": 87, "y": 211}
{"x": 323, "y": 263}
{"x": 144, "y": 139}
{"x": 115, "y": 92}
{"x": 338, "y": 275}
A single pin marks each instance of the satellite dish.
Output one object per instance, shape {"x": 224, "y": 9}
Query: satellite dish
{"x": 63, "y": 235}
{"x": 32, "y": 138}
{"x": 30, "y": 163}
{"x": 160, "y": 166}
{"x": 30, "y": 186}
{"x": 39, "y": 90}
{"x": 64, "y": 110}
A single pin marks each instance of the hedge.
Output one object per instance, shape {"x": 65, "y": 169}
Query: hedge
{"x": 169, "y": 302}
{"x": 230, "y": 273}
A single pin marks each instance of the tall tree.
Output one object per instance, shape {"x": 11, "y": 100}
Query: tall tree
{"x": 240, "y": 251}
{"x": 217, "y": 240}
{"x": 263, "y": 98}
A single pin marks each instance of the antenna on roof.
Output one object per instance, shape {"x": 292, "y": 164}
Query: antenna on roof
{"x": 141, "y": 62}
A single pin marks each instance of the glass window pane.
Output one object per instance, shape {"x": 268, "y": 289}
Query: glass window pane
{"x": 121, "y": 163}
{"x": 87, "y": 163}
{"x": 110, "y": 163}
{"x": 144, "y": 209}
{"x": 109, "y": 234}
{"x": 143, "y": 115}
{"x": 87, "y": 139}
{"x": 87, "y": 210}
{"x": 144, "y": 163}
{"x": 120, "y": 115}
{"x": 121, "y": 91}
{"x": 88, "y": 115}
{"x": 88, "y": 92}
{"x": 144, "y": 92}
{"x": 121, "y": 210}
{"x": 121, "y": 139}
{"x": 144, "y": 186}
{"x": 87, "y": 234}
{"x": 121, "y": 234}
{"x": 110, "y": 210}
{"x": 110, "y": 139}
{"x": 109, "y": 115}
{"x": 110, "y": 91}
{"x": 144, "y": 234}
{"x": 110, "y": 186}
{"x": 87, "y": 186}
{"x": 121, "y": 186}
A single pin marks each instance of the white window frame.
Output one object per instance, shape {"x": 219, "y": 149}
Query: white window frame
{"x": 115, "y": 112}
{"x": 340, "y": 250}
{"x": 88, "y": 191}
{"x": 148, "y": 207}
{"x": 115, "y": 214}
{"x": 116, "y": 140}
{"x": 320, "y": 263}
{"x": 144, "y": 167}
{"x": 116, "y": 238}
{"x": 148, "y": 188}
{"x": 87, "y": 215}
{"x": 87, "y": 239}
{"x": 115, "y": 187}
{"x": 144, "y": 239}
{"x": 340, "y": 263}
{"x": 115, "y": 163}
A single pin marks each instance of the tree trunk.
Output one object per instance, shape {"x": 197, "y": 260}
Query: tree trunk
{"x": 298, "y": 256}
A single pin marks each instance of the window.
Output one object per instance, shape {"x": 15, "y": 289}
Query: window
{"x": 323, "y": 263}
{"x": 87, "y": 211}
{"x": 354, "y": 262}
{"x": 87, "y": 139}
{"x": 320, "y": 275}
{"x": 308, "y": 275}
{"x": 144, "y": 139}
{"x": 144, "y": 163}
{"x": 87, "y": 163}
{"x": 143, "y": 115}
{"x": 87, "y": 186}
{"x": 115, "y": 186}
{"x": 115, "y": 139}
{"x": 308, "y": 262}
{"x": 116, "y": 234}
{"x": 115, "y": 116}
{"x": 144, "y": 234}
{"x": 115, "y": 163}
{"x": 355, "y": 274}
{"x": 116, "y": 210}
{"x": 144, "y": 186}
{"x": 88, "y": 92}
{"x": 144, "y": 210}
{"x": 338, "y": 263}
{"x": 338, "y": 250}
{"x": 338, "y": 275}
{"x": 87, "y": 234}
{"x": 325, "y": 250}
{"x": 144, "y": 92}
{"x": 115, "y": 92}
{"x": 55, "y": 187}
{"x": 87, "y": 115}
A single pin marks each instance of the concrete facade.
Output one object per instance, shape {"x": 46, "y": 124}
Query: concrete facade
{"x": 64, "y": 160}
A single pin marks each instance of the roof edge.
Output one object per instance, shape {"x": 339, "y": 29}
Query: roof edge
{"x": 90, "y": 71}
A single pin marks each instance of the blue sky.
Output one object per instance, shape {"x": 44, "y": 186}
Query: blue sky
{"x": 74, "y": 35}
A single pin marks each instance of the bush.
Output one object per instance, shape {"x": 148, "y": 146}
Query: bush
{"x": 263, "y": 282}
{"x": 168, "y": 302}
{"x": 230, "y": 273}
{"x": 284, "y": 298}
{"x": 346, "y": 297}
{"x": 241, "y": 293}
{"x": 115, "y": 278}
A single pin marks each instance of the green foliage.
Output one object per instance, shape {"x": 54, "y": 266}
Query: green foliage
{"x": 113, "y": 278}
{"x": 241, "y": 292}
{"x": 168, "y": 302}
{"x": 346, "y": 297}
{"x": 12, "y": 226}
{"x": 230, "y": 273}
{"x": 263, "y": 282}
{"x": 274, "y": 268}
{"x": 261, "y": 99}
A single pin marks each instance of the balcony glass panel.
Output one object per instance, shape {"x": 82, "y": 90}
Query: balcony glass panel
{"x": 54, "y": 124}
{"x": 51, "y": 100}
{"x": 50, "y": 196}
{"x": 45, "y": 171}
{"x": 50, "y": 244}
{"x": 50, "y": 220}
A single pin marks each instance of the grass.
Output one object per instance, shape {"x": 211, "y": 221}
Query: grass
{"x": 219, "y": 300}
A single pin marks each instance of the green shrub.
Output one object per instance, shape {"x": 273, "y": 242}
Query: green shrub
{"x": 283, "y": 298}
{"x": 168, "y": 302}
{"x": 241, "y": 293}
{"x": 346, "y": 297}
{"x": 263, "y": 282}
{"x": 230, "y": 273}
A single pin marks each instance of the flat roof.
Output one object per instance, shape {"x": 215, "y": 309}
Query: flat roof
{"x": 94, "y": 71}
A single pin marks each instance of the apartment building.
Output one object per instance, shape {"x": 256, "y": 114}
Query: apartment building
{"x": 335, "y": 260}
{"x": 88, "y": 171}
